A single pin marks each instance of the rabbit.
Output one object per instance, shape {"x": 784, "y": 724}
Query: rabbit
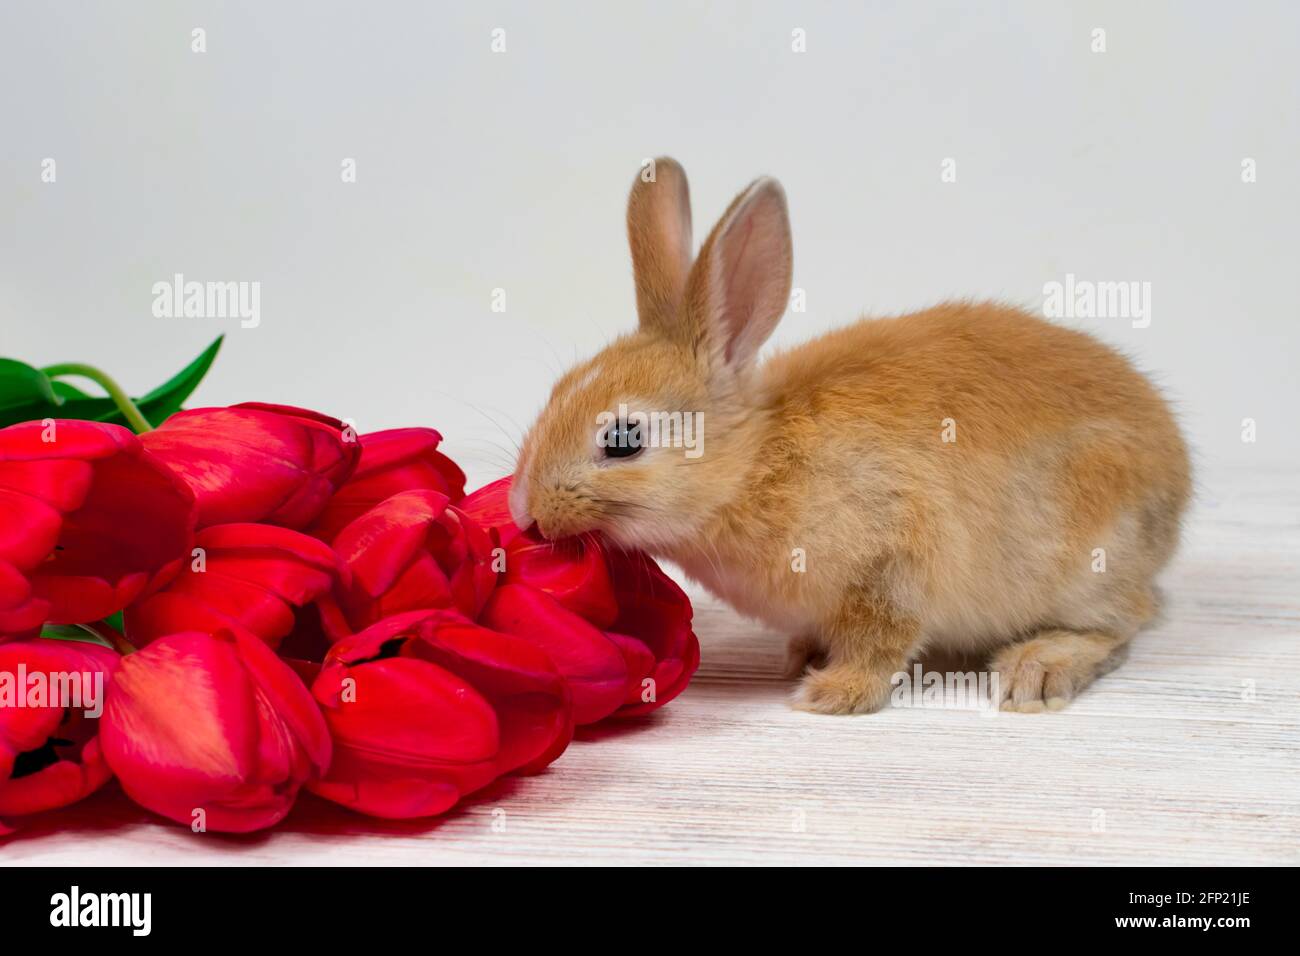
{"x": 968, "y": 478}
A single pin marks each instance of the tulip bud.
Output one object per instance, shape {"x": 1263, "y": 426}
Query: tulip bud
{"x": 401, "y": 459}
{"x": 213, "y": 727}
{"x": 272, "y": 464}
{"x": 51, "y": 694}
{"x": 593, "y": 665}
{"x": 617, "y": 627}
{"x": 411, "y": 552}
{"x": 254, "y": 576}
{"x": 426, "y": 707}
{"x": 88, "y": 523}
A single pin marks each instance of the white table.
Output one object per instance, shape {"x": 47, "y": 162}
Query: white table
{"x": 1167, "y": 760}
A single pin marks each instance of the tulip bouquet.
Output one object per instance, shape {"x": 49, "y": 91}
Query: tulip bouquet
{"x": 219, "y": 607}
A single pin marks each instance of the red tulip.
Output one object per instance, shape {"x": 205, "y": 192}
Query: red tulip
{"x": 266, "y": 463}
{"x": 411, "y": 552}
{"x": 574, "y": 571}
{"x": 655, "y": 613}
{"x": 426, "y": 707}
{"x": 249, "y": 575}
{"x": 88, "y": 523}
{"x": 213, "y": 723}
{"x": 49, "y": 752}
{"x": 595, "y": 667}
{"x": 490, "y": 507}
{"x": 402, "y": 459}
{"x": 618, "y": 628}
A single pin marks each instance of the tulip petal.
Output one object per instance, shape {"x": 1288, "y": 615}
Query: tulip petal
{"x": 252, "y": 576}
{"x": 409, "y": 736}
{"x": 489, "y": 507}
{"x": 29, "y": 528}
{"x": 19, "y": 610}
{"x": 426, "y": 706}
{"x": 49, "y": 755}
{"x": 254, "y": 462}
{"x": 594, "y": 667}
{"x": 378, "y": 545}
{"x": 656, "y": 612}
{"x": 212, "y": 727}
{"x": 531, "y": 697}
{"x": 290, "y": 699}
{"x": 88, "y": 518}
{"x": 62, "y": 483}
{"x": 410, "y": 552}
{"x": 393, "y": 461}
{"x": 573, "y": 571}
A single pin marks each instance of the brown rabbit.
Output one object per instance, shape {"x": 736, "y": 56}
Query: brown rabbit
{"x": 966, "y": 478}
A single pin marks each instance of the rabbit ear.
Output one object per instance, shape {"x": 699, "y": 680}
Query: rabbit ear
{"x": 740, "y": 284}
{"x": 659, "y": 232}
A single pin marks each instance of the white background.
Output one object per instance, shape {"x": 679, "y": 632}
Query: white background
{"x": 479, "y": 170}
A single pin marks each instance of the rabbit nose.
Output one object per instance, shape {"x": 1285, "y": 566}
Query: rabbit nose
{"x": 518, "y": 501}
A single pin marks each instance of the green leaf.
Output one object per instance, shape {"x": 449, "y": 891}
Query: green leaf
{"x": 72, "y": 632}
{"x": 165, "y": 400}
{"x": 28, "y": 394}
{"x": 63, "y": 390}
{"x": 24, "y": 390}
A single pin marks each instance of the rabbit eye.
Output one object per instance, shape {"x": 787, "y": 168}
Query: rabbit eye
{"x": 620, "y": 441}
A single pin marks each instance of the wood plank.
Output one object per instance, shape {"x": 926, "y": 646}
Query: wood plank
{"x": 1167, "y": 760}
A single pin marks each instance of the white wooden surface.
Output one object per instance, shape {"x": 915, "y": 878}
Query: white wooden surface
{"x": 1164, "y": 761}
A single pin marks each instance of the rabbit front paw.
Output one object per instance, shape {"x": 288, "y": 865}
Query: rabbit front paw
{"x": 1047, "y": 671}
{"x": 804, "y": 651}
{"x": 843, "y": 689}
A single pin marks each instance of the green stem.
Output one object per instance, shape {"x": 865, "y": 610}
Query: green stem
{"x": 111, "y": 634}
{"x": 134, "y": 418}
